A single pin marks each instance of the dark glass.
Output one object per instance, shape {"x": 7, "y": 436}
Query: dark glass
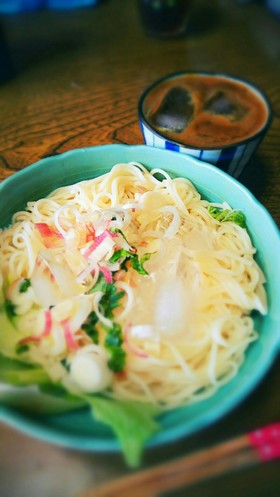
{"x": 6, "y": 66}
{"x": 165, "y": 18}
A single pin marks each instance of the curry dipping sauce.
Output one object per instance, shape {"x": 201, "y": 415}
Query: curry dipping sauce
{"x": 205, "y": 111}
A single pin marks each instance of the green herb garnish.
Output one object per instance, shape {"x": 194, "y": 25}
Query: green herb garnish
{"x": 111, "y": 298}
{"x": 117, "y": 360}
{"x": 21, "y": 348}
{"x": 89, "y": 327}
{"x": 114, "y": 336}
{"x": 225, "y": 215}
{"x": 24, "y": 285}
{"x": 126, "y": 255}
{"x": 65, "y": 364}
{"x": 113, "y": 344}
{"x": 117, "y": 230}
{"x": 114, "y": 340}
{"x": 138, "y": 264}
{"x": 10, "y": 309}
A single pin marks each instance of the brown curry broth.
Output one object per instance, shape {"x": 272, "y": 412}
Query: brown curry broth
{"x": 207, "y": 129}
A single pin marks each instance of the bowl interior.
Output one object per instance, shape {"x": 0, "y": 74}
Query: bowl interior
{"x": 77, "y": 429}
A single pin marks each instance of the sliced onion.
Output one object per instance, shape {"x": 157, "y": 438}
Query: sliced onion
{"x": 46, "y": 291}
{"x": 81, "y": 309}
{"x": 92, "y": 267}
{"x": 174, "y": 226}
{"x": 62, "y": 274}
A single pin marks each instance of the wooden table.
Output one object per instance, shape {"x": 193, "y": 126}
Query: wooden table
{"x": 77, "y": 77}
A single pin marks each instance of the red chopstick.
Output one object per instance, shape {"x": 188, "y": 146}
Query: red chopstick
{"x": 255, "y": 447}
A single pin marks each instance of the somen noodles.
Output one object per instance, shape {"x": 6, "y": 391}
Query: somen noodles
{"x": 132, "y": 285}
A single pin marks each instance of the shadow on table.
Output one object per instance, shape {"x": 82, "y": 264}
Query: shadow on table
{"x": 254, "y": 176}
{"x": 203, "y": 19}
{"x": 28, "y": 39}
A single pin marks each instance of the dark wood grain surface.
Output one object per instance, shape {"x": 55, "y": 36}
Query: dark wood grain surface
{"x": 76, "y": 78}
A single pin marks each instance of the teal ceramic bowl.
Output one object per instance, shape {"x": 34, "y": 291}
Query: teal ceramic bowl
{"x": 77, "y": 429}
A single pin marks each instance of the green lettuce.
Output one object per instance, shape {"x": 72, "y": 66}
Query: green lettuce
{"x": 9, "y": 335}
{"x": 17, "y": 382}
{"x": 133, "y": 423}
{"x": 20, "y": 373}
{"x": 227, "y": 215}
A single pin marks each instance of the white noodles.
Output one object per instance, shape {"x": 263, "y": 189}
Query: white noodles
{"x": 209, "y": 328}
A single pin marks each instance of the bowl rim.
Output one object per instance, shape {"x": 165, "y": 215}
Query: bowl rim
{"x": 260, "y": 134}
{"x": 36, "y": 427}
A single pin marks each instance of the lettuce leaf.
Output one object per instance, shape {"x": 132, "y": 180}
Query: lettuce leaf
{"x": 9, "y": 335}
{"x": 20, "y": 373}
{"x": 132, "y": 422}
{"x": 31, "y": 400}
{"x": 28, "y": 388}
{"x": 31, "y": 390}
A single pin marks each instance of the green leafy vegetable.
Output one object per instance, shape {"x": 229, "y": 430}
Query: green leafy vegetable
{"x": 21, "y": 348}
{"x": 24, "y": 285}
{"x": 113, "y": 344}
{"x": 10, "y": 309}
{"x": 20, "y": 373}
{"x": 223, "y": 215}
{"x": 132, "y": 422}
{"x": 111, "y": 298}
{"x": 114, "y": 336}
{"x": 21, "y": 378}
{"x": 117, "y": 230}
{"x": 133, "y": 257}
{"x": 90, "y": 327}
{"x": 138, "y": 264}
{"x": 9, "y": 335}
{"x": 117, "y": 360}
{"x": 114, "y": 340}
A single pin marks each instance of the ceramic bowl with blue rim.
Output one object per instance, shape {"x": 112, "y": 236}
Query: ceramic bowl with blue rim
{"x": 214, "y": 117}
{"x": 78, "y": 429}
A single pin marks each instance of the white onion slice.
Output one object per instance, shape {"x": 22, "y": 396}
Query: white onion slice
{"x": 174, "y": 226}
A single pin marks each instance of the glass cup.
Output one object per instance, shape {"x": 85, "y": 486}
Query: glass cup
{"x": 165, "y": 18}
